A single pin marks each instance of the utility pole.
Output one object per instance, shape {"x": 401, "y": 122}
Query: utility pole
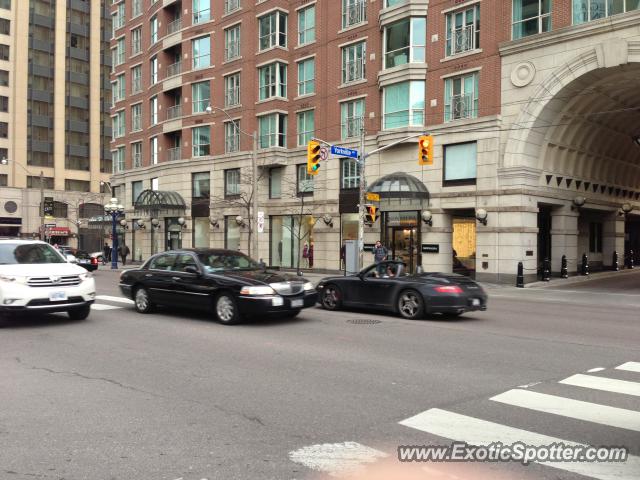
{"x": 42, "y": 205}
{"x": 254, "y": 199}
{"x": 363, "y": 188}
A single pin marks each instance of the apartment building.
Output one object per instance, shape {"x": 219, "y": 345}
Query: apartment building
{"x": 54, "y": 124}
{"x": 195, "y": 80}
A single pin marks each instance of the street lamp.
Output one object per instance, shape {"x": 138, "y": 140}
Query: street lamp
{"x": 254, "y": 180}
{"x": 114, "y": 209}
{"x": 5, "y": 161}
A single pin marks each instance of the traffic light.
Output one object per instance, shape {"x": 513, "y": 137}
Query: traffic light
{"x": 425, "y": 150}
{"x": 372, "y": 214}
{"x": 313, "y": 157}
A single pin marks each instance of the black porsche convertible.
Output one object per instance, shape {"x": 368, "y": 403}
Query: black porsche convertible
{"x": 388, "y": 286}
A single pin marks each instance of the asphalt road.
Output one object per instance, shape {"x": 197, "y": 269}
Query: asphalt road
{"x": 174, "y": 395}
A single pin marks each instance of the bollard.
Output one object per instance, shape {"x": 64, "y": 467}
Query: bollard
{"x": 630, "y": 258}
{"x": 585, "y": 264}
{"x": 520, "y": 277}
{"x": 546, "y": 270}
{"x": 563, "y": 269}
{"x": 614, "y": 262}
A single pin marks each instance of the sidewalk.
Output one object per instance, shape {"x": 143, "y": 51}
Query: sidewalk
{"x": 576, "y": 279}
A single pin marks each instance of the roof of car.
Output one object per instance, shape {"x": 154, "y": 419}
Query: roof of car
{"x": 19, "y": 240}
{"x": 202, "y": 250}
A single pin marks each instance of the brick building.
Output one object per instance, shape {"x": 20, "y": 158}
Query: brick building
{"x": 187, "y": 73}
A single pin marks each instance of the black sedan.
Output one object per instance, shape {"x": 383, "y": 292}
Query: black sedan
{"x": 227, "y": 282}
{"x": 388, "y": 286}
{"x": 85, "y": 260}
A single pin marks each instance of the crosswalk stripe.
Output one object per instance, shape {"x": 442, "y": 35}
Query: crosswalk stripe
{"x": 568, "y": 407}
{"x": 475, "y": 431}
{"x": 629, "y": 367}
{"x": 603, "y": 383}
{"x": 109, "y": 298}
{"x": 102, "y": 306}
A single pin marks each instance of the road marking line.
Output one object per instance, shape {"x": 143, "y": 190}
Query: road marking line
{"x": 568, "y": 407}
{"x": 475, "y": 431}
{"x": 629, "y": 367}
{"x": 603, "y": 383}
{"x": 109, "y": 298}
{"x": 336, "y": 459}
{"x": 597, "y": 369}
{"x": 102, "y": 306}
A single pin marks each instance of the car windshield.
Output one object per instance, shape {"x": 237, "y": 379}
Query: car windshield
{"x": 17, "y": 253}
{"x": 219, "y": 262}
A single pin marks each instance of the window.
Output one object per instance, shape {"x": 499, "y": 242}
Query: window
{"x": 136, "y": 41}
{"x": 351, "y": 118}
{"x": 118, "y": 53}
{"x": 232, "y": 90}
{"x": 272, "y": 30}
{"x": 403, "y": 105}
{"x": 231, "y": 5}
{"x": 155, "y": 184}
{"x": 4, "y": 103}
{"x": 595, "y": 237}
{"x": 531, "y": 17}
{"x": 353, "y": 12}
{"x": 200, "y": 185}
{"x": 307, "y": 76}
{"x": 200, "y": 93}
{"x": 136, "y": 117}
{"x": 461, "y": 97}
{"x": 4, "y": 180}
{"x": 4, "y": 78}
{"x": 272, "y": 81}
{"x": 350, "y": 174}
{"x": 305, "y": 181}
{"x": 119, "y": 18}
{"x": 231, "y": 137}
{"x": 307, "y": 25}
{"x": 136, "y": 154}
{"x": 201, "y": 11}
{"x": 353, "y": 58}
{"x": 272, "y": 130}
{"x": 231, "y": 233}
{"x": 136, "y": 79}
{"x": 118, "y": 89}
{"x": 153, "y": 110}
{"x": 460, "y": 163}
{"x": 201, "y": 52}
{"x": 405, "y": 42}
{"x": 232, "y": 182}
{"x": 393, "y": 3}
{"x": 275, "y": 182}
{"x": 587, "y": 10}
{"x": 118, "y": 159}
{"x": 232, "y": 43}
{"x": 77, "y": 185}
{"x": 201, "y": 140}
{"x": 153, "y": 148}
{"x": 153, "y": 70}
{"x": 47, "y": 182}
{"x": 306, "y": 126}
{"x": 136, "y": 8}
{"x": 153, "y": 29}
{"x": 463, "y": 30}
{"x": 5, "y": 4}
{"x": 5, "y": 26}
{"x": 136, "y": 190}
{"x": 118, "y": 124}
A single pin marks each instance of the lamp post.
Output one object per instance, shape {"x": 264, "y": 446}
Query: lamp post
{"x": 254, "y": 179}
{"x": 114, "y": 209}
{"x": 5, "y": 161}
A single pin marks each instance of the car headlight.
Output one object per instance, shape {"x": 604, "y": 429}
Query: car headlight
{"x": 13, "y": 279}
{"x": 308, "y": 286}
{"x": 258, "y": 290}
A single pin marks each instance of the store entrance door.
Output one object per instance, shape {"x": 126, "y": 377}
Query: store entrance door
{"x": 403, "y": 246}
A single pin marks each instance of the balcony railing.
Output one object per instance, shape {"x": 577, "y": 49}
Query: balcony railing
{"x": 174, "y": 69}
{"x": 174, "y": 154}
{"x": 354, "y": 13}
{"x": 136, "y": 160}
{"x": 463, "y": 40}
{"x": 461, "y": 106}
{"x": 231, "y": 5}
{"x": 232, "y": 50}
{"x": 174, "y": 112}
{"x": 232, "y": 97}
{"x": 353, "y": 70}
{"x": 352, "y": 127}
{"x": 232, "y": 143}
{"x": 174, "y": 26}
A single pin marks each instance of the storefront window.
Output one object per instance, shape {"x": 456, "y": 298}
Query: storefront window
{"x": 201, "y": 232}
{"x": 287, "y": 236}
{"x": 232, "y": 234}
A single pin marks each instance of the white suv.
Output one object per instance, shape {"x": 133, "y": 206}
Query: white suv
{"x": 35, "y": 277}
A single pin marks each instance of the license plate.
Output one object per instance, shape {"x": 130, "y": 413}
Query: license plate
{"x": 297, "y": 303}
{"x": 475, "y": 302}
{"x": 57, "y": 296}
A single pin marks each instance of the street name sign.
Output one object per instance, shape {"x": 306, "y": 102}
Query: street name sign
{"x": 343, "y": 152}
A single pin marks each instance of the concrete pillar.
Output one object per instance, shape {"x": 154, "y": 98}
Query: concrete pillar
{"x": 612, "y": 238}
{"x": 439, "y": 234}
{"x": 564, "y": 239}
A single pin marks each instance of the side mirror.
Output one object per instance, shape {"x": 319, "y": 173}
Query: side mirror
{"x": 192, "y": 269}
{"x": 71, "y": 259}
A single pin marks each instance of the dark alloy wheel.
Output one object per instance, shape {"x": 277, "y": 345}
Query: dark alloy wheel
{"x": 141, "y": 300}
{"x": 331, "y": 297}
{"x": 410, "y": 304}
{"x": 226, "y": 309}
{"x": 80, "y": 313}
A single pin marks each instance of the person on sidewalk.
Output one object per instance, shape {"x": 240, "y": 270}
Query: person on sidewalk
{"x": 106, "y": 253}
{"x": 380, "y": 254}
{"x": 124, "y": 253}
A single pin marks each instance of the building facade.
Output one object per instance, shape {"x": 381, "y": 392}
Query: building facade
{"x": 54, "y": 123}
{"x": 195, "y": 80}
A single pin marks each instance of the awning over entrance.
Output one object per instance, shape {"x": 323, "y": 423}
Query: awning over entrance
{"x": 154, "y": 201}
{"x": 399, "y": 185}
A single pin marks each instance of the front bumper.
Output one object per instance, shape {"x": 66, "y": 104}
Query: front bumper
{"x": 16, "y": 297}
{"x": 270, "y": 304}
{"x": 126, "y": 290}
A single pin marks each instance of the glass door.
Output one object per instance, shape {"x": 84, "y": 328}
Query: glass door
{"x": 404, "y": 247}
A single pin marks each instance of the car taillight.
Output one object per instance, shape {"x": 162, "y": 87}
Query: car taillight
{"x": 94, "y": 261}
{"x": 448, "y": 289}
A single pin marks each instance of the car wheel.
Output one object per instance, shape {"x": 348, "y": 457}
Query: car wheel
{"x": 410, "y": 304}
{"x": 80, "y": 313}
{"x": 226, "y": 309}
{"x": 331, "y": 297}
{"x": 141, "y": 300}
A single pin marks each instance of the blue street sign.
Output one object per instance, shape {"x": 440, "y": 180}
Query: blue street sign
{"x": 343, "y": 152}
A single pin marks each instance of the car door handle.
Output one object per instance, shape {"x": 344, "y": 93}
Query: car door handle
{"x": 149, "y": 275}
{"x": 175, "y": 278}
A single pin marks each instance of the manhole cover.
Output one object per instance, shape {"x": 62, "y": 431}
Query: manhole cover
{"x": 363, "y": 321}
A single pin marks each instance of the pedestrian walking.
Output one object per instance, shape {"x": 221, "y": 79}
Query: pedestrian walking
{"x": 106, "y": 253}
{"x": 310, "y": 255}
{"x": 124, "y": 253}
{"x": 343, "y": 256}
{"x": 305, "y": 254}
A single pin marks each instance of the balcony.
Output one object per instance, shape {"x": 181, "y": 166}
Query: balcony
{"x": 174, "y": 26}
{"x": 174, "y": 154}
{"x": 174, "y": 69}
{"x": 462, "y": 40}
{"x": 174, "y": 112}
{"x": 136, "y": 160}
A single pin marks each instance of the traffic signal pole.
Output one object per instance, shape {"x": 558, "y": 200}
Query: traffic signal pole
{"x": 361, "y": 201}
